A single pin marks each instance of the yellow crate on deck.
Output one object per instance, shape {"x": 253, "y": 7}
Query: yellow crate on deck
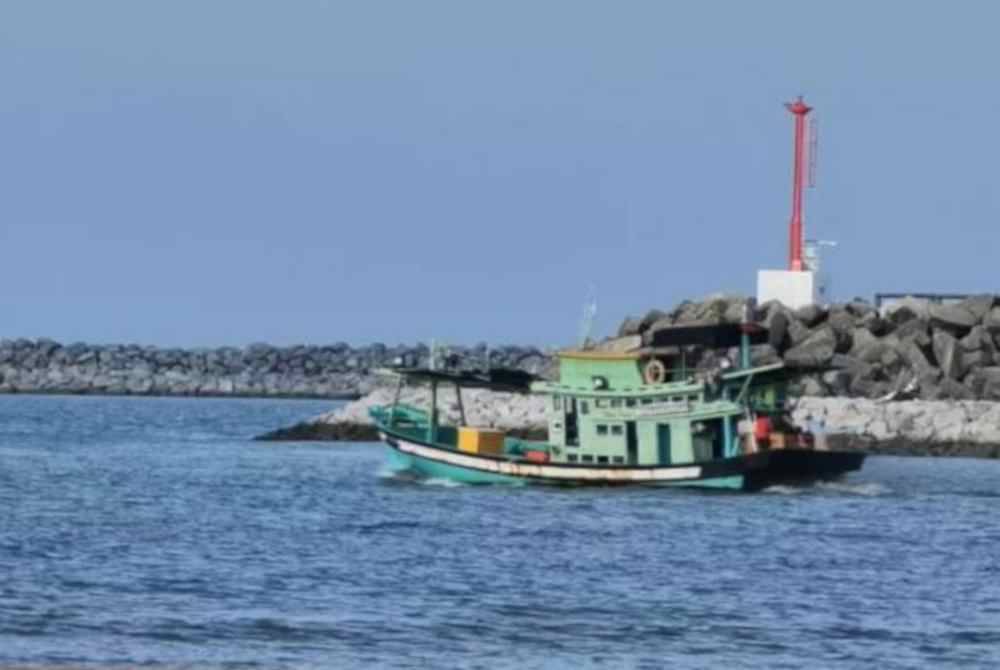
{"x": 480, "y": 441}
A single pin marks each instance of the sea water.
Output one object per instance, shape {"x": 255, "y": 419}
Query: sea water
{"x": 154, "y": 532}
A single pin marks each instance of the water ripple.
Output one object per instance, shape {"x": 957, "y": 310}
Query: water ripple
{"x": 153, "y": 533}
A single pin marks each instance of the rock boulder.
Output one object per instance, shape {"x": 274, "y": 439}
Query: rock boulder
{"x": 815, "y": 351}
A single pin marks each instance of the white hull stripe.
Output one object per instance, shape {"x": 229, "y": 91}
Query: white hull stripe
{"x": 513, "y": 469}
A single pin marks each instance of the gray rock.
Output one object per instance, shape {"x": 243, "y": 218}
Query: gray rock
{"x": 630, "y": 326}
{"x": 811, "y": 386}
{"x": 816, "y": 351}
{"x": 978, "y": 305}
{"x": 891, "y": 360}
{"x": 874, "y": 323}
{"x": 949, "y": 389}
{"x": 651, "y": 317}
{"x": 777, "y": 323}
{"x": 991, "y": 382}
{"x": 842, "y": 323}
{"x": 850, "y": 364}
{"x": 860, "y": 309}
{"x": 810, "y": 315}
{"x": 866, "y": 346}
{"x": 838, "y": 381}
{"x": 797, "y": 333}
{"x": 47, "y": 347}
{"x": 977, "y": 339}
{"x": 979, "y": 358}
{"x": 954, "y": 317}
{"x": 737, "y": 307}
{"x": 948, "y": 354}
{"x": 869, "y": 388}
{"x": 992, "y": 321}
{"x": 904, "y": 310}
{"x": 763, "y": 354}
{"x": 915, "y": 357}
{"x": 917, "y": 330}
{"x": 712, "y": 310}
{"x": 139, "y": 385}
{"x": 928, "y": 382}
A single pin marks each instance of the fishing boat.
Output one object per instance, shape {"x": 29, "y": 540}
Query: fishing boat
{"x": 667, "y": 411}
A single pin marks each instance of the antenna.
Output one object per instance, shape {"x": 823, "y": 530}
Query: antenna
{"x": 587, "y": 321}
{"x": 813, "y": 150}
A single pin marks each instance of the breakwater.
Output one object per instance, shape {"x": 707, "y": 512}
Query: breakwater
{"x": 913, "y": 347}
{"x": 258, "y": 370}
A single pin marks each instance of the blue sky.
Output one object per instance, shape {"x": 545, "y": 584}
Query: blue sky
{"x": 204, "y": 173}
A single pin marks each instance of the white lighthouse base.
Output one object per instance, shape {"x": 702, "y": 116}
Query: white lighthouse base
{"x": 791, "y": 288}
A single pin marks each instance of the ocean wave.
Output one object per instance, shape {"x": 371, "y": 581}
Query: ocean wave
{"x": 868, "y": 489}
{"x": 859, "y": 489}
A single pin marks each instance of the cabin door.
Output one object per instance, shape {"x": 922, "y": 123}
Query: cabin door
{"x": 572, "y": 428}
{"x": 631, "y": 443}
{"x": 663, "y": 443}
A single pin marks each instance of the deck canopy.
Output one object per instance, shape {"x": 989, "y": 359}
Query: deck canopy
{"x": 508, "y": 380}
{"x": 721, "y": 336}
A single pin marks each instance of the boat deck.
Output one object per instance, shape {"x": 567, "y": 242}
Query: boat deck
{"x": 412, "y": 423}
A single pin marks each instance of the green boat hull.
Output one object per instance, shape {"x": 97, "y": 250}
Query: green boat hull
{"x": 747, "y": 473}
{"x": 430, "y": 469}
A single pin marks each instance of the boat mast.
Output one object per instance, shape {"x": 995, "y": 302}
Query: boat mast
{"x": 745, "y": 337}
{"x": 432, "y": 421}
{"x": 395, "y": 399}
{"x": 461, "y": 407}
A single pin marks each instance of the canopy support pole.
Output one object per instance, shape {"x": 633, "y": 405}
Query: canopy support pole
{"x": 395, "y": 400}
{"x": 432, "y": 420}
{"x": 461, "y": 406}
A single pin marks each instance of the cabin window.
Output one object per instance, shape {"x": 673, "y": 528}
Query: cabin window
{"x": 556, "y": 402}
{"x": 616, "y": 402}
{"x": 618, "y": 460}
{"x": 677, "y": 398}
{"x": 584, "y": 407}
{"x": 571, "y": 458}
{"x": 616, "y": 430}
{"x": 647, "y": 401}
{"x": 692, "y": 398}
{"x": 600, "y": 402}
{"x": 602, "y": 429}
{"x": 602, "y": 459}
{"x": 630, "y": 402}
{"x": 587, "y": 458}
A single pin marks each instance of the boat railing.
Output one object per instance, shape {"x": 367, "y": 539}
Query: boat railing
{"x": 399, "y": 415}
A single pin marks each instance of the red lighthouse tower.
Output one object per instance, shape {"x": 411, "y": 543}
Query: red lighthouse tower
{"x": 796, "y": 286}
{"x": 799, "y": 109}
